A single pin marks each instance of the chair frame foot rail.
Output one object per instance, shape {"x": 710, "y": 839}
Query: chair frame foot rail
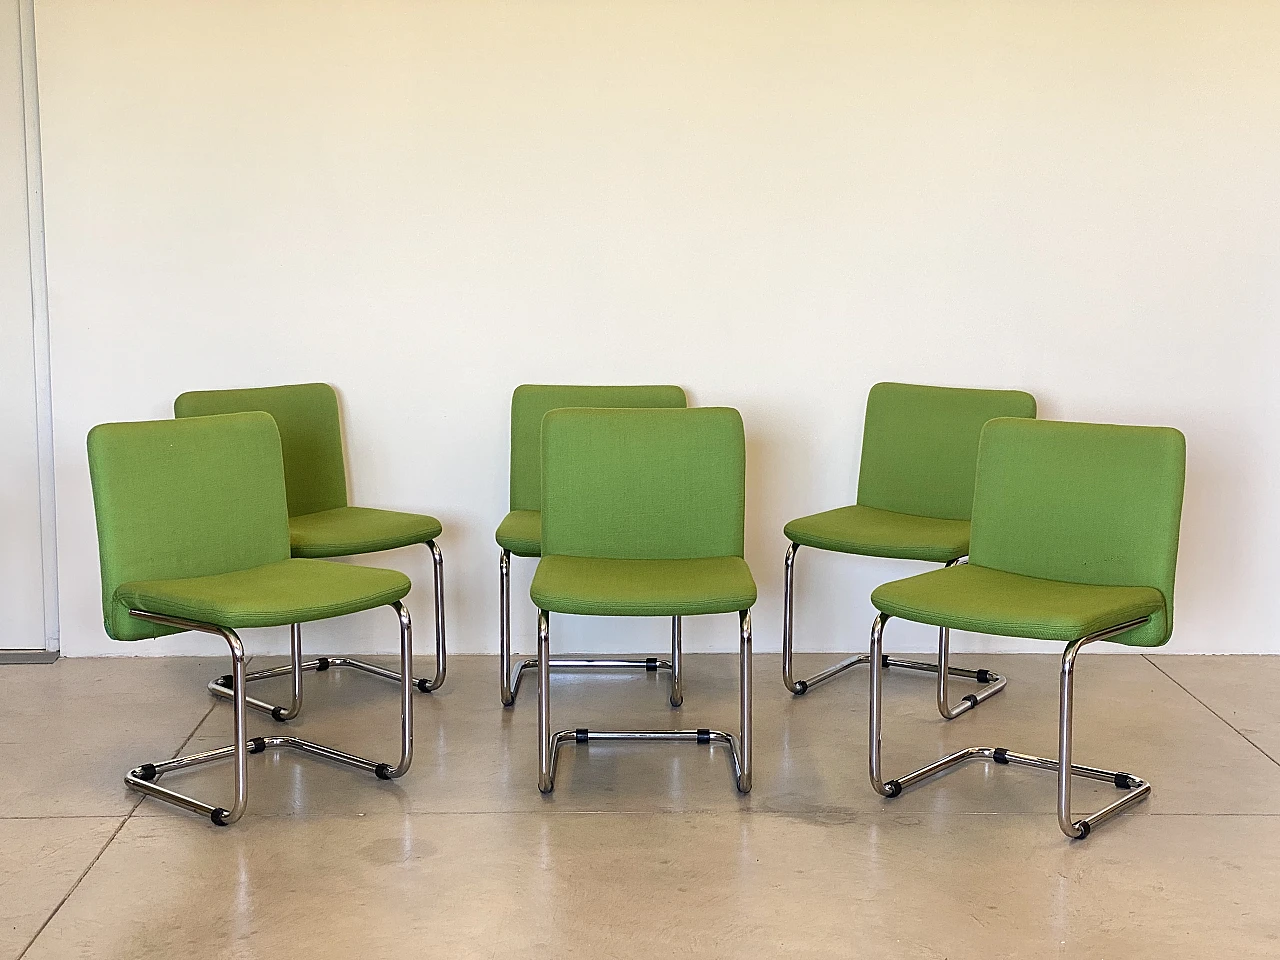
{"x": 1136, "y": 788}
{"x": 145, "y": 778}
{"x": 990, "y": 681}
{"x": 549, "y": 743}
{"x": 510, "y": 679}
{"x": 221, "y": 686}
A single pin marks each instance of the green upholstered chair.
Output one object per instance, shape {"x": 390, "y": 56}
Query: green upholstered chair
{"x": 193, "y": 534}
{"x": 321, "y": 524}
{"x": 642, "y": 516}
{"x": 1074, "y": 540}
{"x": 915, "y": 491}
{"x": 520, "y": 531}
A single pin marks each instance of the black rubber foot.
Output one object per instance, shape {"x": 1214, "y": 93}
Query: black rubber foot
{"x": 651, "y": 664}
{"x": 257, "y": 745}
{"x": 971, "y": 699}
{"x": 1000, "y": 755}
{"x": 581, "y": 735}
{"x": 892, "y": 788}
{"x": 1125, "y": 782}
{"x": 277, "y": 713}
{"x": 322, "y": 664}
{"x": 382, "y": 771}
{"x": 704, "y": 736}
{"x": 984, "y": 676}
{"x": 219, "y": 817}
{"x": 423, "y": 686}
{"x": 147, "y": 772}
{"x": 802, "y": 688}
{"x": 226, "y": 680}
{"x": 1084, "y": 830}
{"x": 884, "y": 661}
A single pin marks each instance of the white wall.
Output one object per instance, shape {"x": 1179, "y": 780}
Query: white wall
{"x": 773, "y": 204}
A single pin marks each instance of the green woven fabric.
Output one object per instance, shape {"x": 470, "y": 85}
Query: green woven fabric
{"x": 643, "y": 484}
{"x": 920, "y": 446}
{"x": 969, "y": 597}
{"x": 642, "y": 588}
{"x": 310, "y": 433}
{"x": 290, "y": 591}
{"x": 184, "y": 498}
{"x": 869, "y": 532}
{"x": 531, "y": 402}
{"x": 347, "y": 531}
{"x": 1075, "y": 528}
{"x": 521, "y": 533}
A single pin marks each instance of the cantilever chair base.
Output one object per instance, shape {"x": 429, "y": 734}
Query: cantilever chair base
{"x": 221, "y": 686}
{"x": 992, "y": 682}
{"x": 549, "y": 743}
{"x": 144, "y": 778}
{"x": 510, "y": 681}
{"x": 1137, "y": 789}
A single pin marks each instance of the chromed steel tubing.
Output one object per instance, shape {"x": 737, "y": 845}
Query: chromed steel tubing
{"x": 144, "y": 777}
{"x": 549, "y": 743}
{"x": 1136, "y": 788}
{"x": 297, "y": 666}
{"x": 992, "y": 682}
{"x": 509, "y": 680}
{"x": 677, "y": 657}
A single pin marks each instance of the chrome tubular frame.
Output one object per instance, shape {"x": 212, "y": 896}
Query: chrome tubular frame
{"x": 549, "y": 743}
{"x": 1137, "y": 789}
{"x": 144, "y": 778}
{"x": 509, "y": 681}
{"x": 992, "y": 682}
{"x": 221, "y": 686}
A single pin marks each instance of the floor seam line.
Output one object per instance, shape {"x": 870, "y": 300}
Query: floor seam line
{"x": 1229, "y": 724}
{"x": 110, "y": 840}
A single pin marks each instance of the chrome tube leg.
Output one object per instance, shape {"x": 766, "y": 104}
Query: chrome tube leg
{"x": 877, "y": 682}
{"x": 1066, "y": 696}
{"x": 788, "y": 602}
{"x": 744, "y": 704}
{"x": 508, "y": 684}
{"x": 991, "y": 682}
{"x": 436, "y": 682}
{"x": 239, "y": 726}
{"x": 677, "y": 664}
{"x": 546, "y": 780}
{"x": 295, "y": 675}
{"x": 385, "y": 771}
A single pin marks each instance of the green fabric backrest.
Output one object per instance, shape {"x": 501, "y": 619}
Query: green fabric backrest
{"x": 184, "y": 498}
{"x": 643, "y": 484}
{"x": 1082, "y": 502}
{"x": 310, "y": 433}
{"x": 532, "y": 401}
{"x": 920, "y": 446}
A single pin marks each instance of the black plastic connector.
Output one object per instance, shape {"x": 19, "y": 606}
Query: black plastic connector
{"x": 322, "y": 664}
{"x": 219, "y": 817}
{"x": 704, "y": 735}
{"x": 803, "y": 688}
{"x": 1084, "y": 830}
{"x": 893, "y": 788}
{"x": 651, "y": 664}
{"x": 147, "y": 772}
{"x": 884, "y": 661}
{"x": 970, "y": 699}
{"x": 422, "y": 685}
{"x": 257, "y": 745}
{"x": 581, "y": 734}
{"x": 1125, "y": 782}
{"x": 226, "y": 680}
{"x": 1000, "y": 755}
{"x": 382, "y": 771}
{"x": 984, "y": 676}
{"x": 277, "y": 714}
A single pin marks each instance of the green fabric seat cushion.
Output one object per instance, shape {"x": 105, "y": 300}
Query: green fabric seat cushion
{"x": 346, "y": 531}
{"x": 606, "y": 587}
{"x": 870, "y": 532}
{"x": 982, "y": 600}
{"x": 521, "y": 533}
{"x": 289, "y": 591}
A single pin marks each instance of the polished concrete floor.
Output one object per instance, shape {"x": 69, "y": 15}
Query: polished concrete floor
{"x": 644, "y": 851}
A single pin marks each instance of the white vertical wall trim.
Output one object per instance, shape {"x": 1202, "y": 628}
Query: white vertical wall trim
{"x": 40, "y": 323}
